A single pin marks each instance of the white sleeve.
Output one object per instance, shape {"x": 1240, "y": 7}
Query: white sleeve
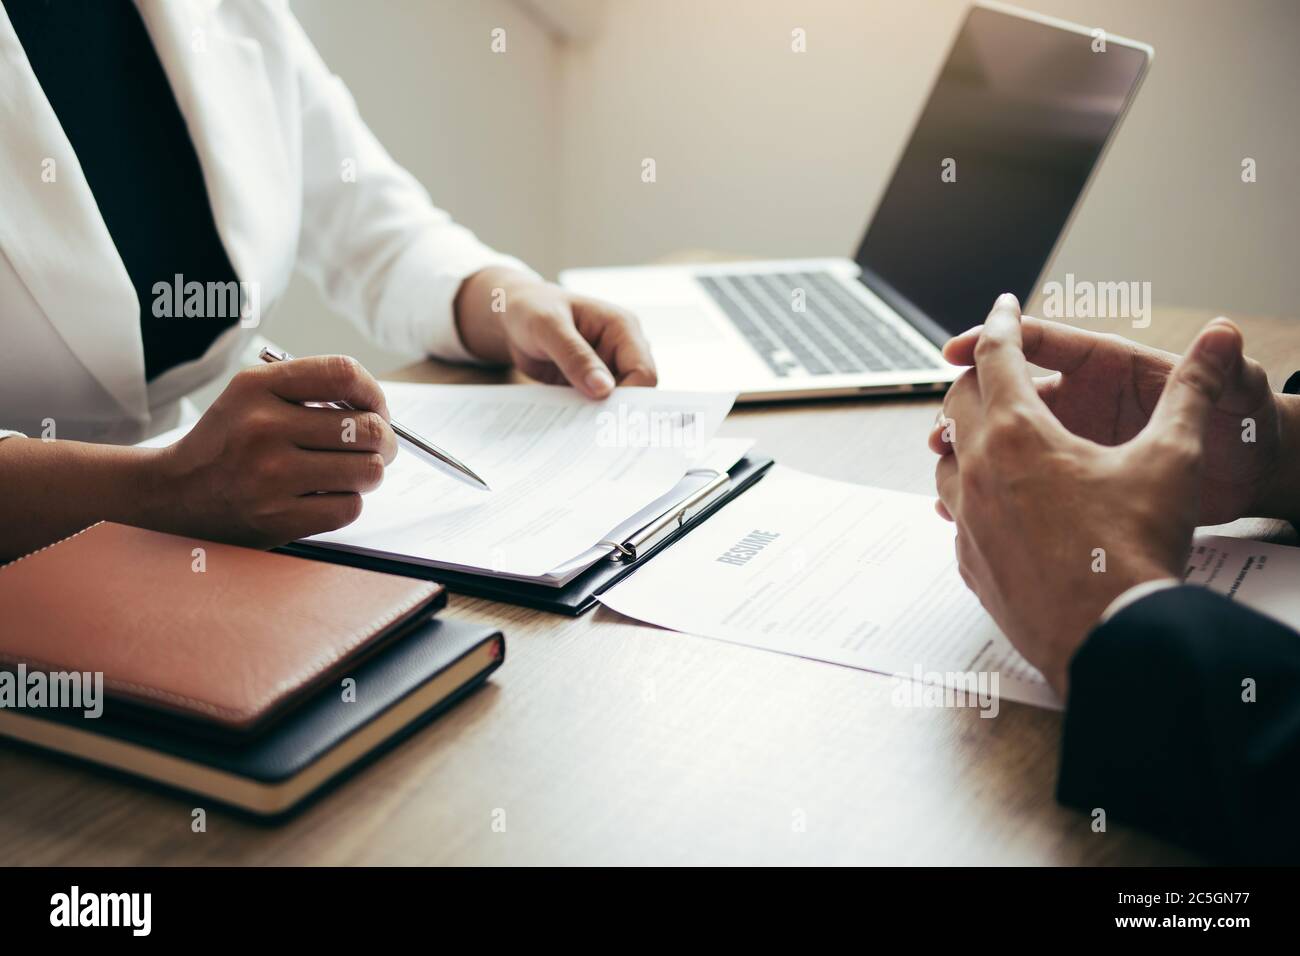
{"x": 1136, "y": 593}
{"x": 4, "y": 433}
{"x": 377, "y": 247}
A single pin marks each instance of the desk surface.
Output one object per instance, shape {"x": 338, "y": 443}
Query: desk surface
{"x": 603, "y": 741}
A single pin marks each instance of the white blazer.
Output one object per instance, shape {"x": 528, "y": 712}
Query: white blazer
{"x": 295, "y": 179}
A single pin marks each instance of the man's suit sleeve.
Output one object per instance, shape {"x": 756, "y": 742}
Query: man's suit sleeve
{"x": 1160, "y": 731}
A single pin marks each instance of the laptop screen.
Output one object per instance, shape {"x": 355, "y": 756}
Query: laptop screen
{"x": 1013, "y": 127}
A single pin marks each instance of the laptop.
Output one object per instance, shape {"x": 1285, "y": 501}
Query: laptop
{"x": 1013, "y": 131}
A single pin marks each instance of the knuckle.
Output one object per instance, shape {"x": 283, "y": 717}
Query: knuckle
{"x": 247, "y": 379}
{"x": 990, "y": 342}
{"x": 372, "y": 428}
{"x": 258, "y": 423}
{"x": 577, "y": 354}
{"x": 1254, "y": 377}
{"x": 343, "y": 369}
{"x": 347, "y": 510}
{"x": 1002, "y": 432}
{"x": 621, "y": 319}
{"x": 266, "y": 471}
{"x": 265, "y": 513}
{"x": 1199, "y": 378}
{"x": 1009, "y": 427}
{"x": 372, "y": 471}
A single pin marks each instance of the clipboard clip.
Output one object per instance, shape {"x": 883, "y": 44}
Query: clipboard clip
{"x": 675, "y": 517}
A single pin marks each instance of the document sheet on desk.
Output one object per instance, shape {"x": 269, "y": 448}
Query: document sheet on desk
{"x": 867, "y": 577}
{"x": 563, "y": 470}
{"x": 1261, "y": 575}
{"x": 833, "y": 571}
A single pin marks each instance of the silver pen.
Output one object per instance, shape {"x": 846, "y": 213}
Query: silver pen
{"x": 430, "y": 452}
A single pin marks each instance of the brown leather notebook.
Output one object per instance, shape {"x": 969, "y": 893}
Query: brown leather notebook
{"x": 224, "y": 635}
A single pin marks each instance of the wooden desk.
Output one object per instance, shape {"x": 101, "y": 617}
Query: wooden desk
{"x": 605, "y": 741}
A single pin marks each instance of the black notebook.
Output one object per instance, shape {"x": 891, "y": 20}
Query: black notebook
{"x": 396, "y": 691}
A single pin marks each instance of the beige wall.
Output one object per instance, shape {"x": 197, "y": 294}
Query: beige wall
{"x": 766, "y": 152}
{"x": 478, "y": 129}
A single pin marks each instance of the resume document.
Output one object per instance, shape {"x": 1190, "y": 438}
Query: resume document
{"x": 867, "y": 578}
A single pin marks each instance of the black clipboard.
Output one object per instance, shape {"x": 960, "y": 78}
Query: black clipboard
{"x": 579, "y": 595}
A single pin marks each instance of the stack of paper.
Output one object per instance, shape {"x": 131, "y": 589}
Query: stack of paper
{"x": 566, "y": 474}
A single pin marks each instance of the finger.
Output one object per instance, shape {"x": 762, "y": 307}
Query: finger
{"x": 316, "y": 514}
{"x": 617, "y": 337}
{"x": 564, "y": 345}
{"x": 941, "y": 435}
{"x": 1050, "y": 345}
{"x": 999, "y": 356}
{"x": 335, "y": 471}
{"x": 1196, "y": 383}
{"x": 640, "y": 377}
{"x": 324, "y": 378}
{"x": 325, "y": 429}
{"x": 541, "y": 370}
{"x": 947, "y": 482}
{"x": 970, "y": 563}
{"x": 1245, "y": 389}
{"x": 963, "y": 409}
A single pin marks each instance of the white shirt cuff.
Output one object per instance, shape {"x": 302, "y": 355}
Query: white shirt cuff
{"x": 8, "y": 434}
{"x": 1136, "y": 593}
{"x": 419, "y": 305}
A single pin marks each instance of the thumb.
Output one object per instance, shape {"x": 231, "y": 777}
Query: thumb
{"x": 1197, "y": 381}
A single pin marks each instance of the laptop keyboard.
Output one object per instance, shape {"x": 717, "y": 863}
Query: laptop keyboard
{"x": 834, "y": 334}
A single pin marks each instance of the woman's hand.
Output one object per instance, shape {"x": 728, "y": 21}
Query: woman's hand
{"x": 552, "y": 335}
{"x": 1106, "y": 388}
{"x": 260, "y": 468}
